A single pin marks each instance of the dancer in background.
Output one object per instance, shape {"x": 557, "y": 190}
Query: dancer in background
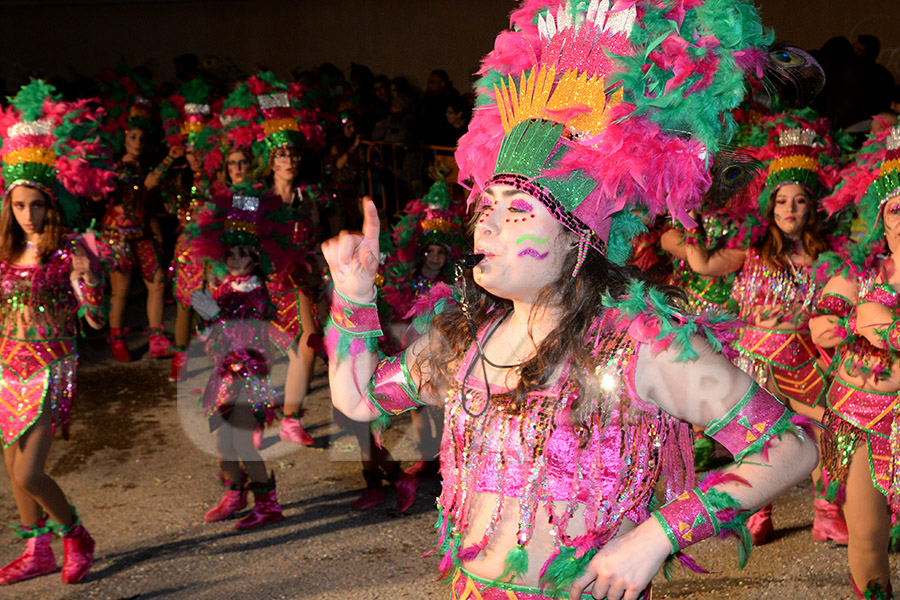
{"x": 777, "y": 286}
{"x": 49, "y": 280}
{"x": 242, "y": 233}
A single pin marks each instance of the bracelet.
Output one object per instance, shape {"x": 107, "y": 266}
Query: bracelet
{"x": 352, "y": 328}
{"x": 392, "y": 389}
{"x": 750, "y": 424}
{"x": 688, "y": 519}
{"x": 883, "y": 294}
{"x": 692, "y": 236}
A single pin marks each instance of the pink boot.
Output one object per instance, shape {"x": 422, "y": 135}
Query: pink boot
{"x": 37, "y": 559}
{"x": 159, "y": 344}
{"x": 234, "y": 499}
{"x": 179, "y": 366}
{"x": 116, "y": 341}
{"x": 873, "y": 591}
{"x": 406, "y": 488}
{"x": 265, "y": 508}
{"x": 829, "y": 523}
{"x": 78, "y": 546}
{"x": 258, "y": 437}
{"x": 292, "y": 430}
{"x": 373, "y": 495}
{"x": 760, "y": 525}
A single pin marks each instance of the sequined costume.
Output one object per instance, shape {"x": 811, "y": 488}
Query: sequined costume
{"x": 856, "y": 417}
{"x": 125, "y": 228}
{"x": 40, "y": 321}
{"x": 186, "y": 271}
{"x": 237, "y": 344}
{"x": 540, "y": 457}
{"x": 287, "y": 285}
{"x": 788, "y": 356}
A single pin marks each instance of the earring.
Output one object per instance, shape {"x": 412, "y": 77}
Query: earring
{"x": 584, "y": 238}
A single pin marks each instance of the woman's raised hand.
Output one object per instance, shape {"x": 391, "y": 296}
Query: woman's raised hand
{"x": 353, "y": 258}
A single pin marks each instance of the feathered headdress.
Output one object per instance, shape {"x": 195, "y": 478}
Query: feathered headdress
{"x": 127, "y": 97}
{"x": 243, "y": 215}
{"x": 187, "y": 118}
{"x": 54, "y": 146}
{"x": 865, "y": 185}
{"x": 598, "y": 109}
{"x": 264, "y": 113}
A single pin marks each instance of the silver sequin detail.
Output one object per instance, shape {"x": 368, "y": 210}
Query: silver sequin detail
{"x": 249, "y": 203}
{"x": 278, "y": 100}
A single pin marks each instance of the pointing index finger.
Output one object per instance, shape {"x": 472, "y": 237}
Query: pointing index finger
{"x": 371, "y": 224}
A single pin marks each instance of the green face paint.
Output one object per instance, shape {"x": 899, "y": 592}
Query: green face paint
{"x": 528, "y": 237}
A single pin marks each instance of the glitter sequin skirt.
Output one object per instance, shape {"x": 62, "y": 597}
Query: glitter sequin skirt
{"x": 243, "y": 376}
{"x": 187, "y": 274}
{"x": 856, "y": 418}
{"x": 466, "y": 586}
{"x": 35, "y": 376}
{"x": 789, "y": 356}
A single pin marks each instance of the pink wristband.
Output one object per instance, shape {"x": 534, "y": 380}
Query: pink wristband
{"x": 687, "y": 519}
{"x": 884, "y": 295}
{"x": 357, "y": 319}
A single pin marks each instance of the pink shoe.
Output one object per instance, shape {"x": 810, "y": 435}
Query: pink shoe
{"x": 292, "y": 431}
{"x": 760, "y": 526}
{"x": 258, "y": 437}
{"x": 78, "y": 546}
{"x": 37, "y": 559}
{"x": 179, "y": 366}
{"x": 159, "y": 344}
{"x": 116, "y": 341}
{"x": 406, "y": 488}
{"x": 265, "y": 508}
{"x": 232, "y": 501}
{"x": 829, "y": 523}
{"x": 371, "y": 497}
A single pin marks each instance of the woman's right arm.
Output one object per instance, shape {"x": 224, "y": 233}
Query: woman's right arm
{"x": 719, "y": 262}
{"x": 875, "y": 315}
{"x": 353, "y": 331}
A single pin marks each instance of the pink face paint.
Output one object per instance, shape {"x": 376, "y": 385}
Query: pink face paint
{"x": 520, "y": 205}
{"x": 534, "y": 253}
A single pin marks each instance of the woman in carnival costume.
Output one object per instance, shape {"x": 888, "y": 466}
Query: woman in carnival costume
{"x": 50, "y": 155}
{"x": 247, "y": 232}
{"x": 186, "y": 118}
{"x": 129, "y": 233}
{"x": 777, "y": 286}
{"x": 567, "y": 383}
{"x": 858, "y": 316}
{"x": 283, "y": 126}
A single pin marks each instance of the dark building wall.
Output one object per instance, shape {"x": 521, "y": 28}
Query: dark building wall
{"x": 395, "y": 37}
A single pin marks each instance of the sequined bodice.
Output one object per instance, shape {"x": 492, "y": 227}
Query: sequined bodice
{"x": 606, "y": 461}
{"x": 126, "y": 210}
{"x": 38, "y": 300}
{"x": 761, "y": 284}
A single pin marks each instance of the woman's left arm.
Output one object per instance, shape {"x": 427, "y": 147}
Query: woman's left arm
{"x": 708, "y": 391}
{"x": 88, "y": 288}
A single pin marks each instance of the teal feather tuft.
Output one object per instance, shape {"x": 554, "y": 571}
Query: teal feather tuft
{"x": 30, "y": 99}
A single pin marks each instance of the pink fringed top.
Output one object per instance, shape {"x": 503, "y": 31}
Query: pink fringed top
{"x": 604, "y": 453}
{"x": 760, "y": 284}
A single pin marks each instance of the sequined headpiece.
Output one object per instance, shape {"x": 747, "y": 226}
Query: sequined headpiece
{"x": 187, "y": 118}
{"x": 264, "y": 113}
{"x": 127, "y": 97}
{"x": 242, "y": 215}
{"x": 798, "y": 148}
{"x": 604, "y": 110}
{"x": 54, "y": 146}
{"x": 435, "y": 219}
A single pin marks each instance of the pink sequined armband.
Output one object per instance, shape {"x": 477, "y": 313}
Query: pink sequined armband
{"x": 392, "y": 389}
{"x": 834, "y": 305}
{"x": 751, "y": 423}
{"x": 355, "y": 318}
{"x": 884, "y": 295}
{"x": 688, "y": 519}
